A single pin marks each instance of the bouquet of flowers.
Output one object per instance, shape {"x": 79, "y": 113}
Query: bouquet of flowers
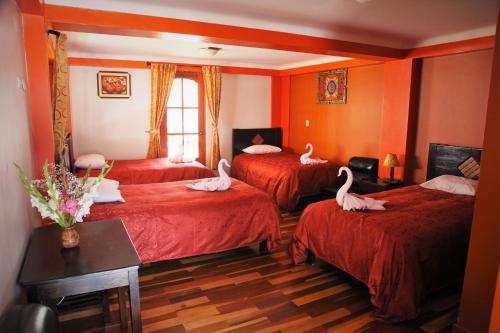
{"x": 61, "y": 196}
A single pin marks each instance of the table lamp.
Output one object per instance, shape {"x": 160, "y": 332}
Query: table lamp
{"x": 391, "y": 161}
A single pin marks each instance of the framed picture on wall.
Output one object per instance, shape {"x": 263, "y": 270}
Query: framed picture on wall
{"x": 113, "y": 84}
{"x": 332, "y": 86}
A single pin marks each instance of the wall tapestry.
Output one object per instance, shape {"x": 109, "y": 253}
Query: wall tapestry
{"x": 113, "y": 84}
{"x": 332, "y": 86}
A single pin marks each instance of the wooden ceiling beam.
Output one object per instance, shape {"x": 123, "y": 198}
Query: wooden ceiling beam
{"x": 106, "y": 22}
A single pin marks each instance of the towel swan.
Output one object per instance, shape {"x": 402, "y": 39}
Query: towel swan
{"x": 353, "y": 202}
{"x": 306, "y": 158}
{"x": 179, "y": 156}
{"x": 222, "y": 183}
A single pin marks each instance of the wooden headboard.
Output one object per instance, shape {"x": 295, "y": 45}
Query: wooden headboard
{"x": 444, "y": 159}
{"x": 69, "y": 157}
{"x": 242, "y": 137}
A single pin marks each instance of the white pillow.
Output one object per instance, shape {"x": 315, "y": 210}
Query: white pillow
{"x": 108, "y": 195}
{"x": 106, "y": 184}
{"x": 452, "y": 184}
{"x": 262, "y": 149}
{"x": 94, "y": 161}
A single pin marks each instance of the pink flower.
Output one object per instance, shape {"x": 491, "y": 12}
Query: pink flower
{"x": 70, "y": 207}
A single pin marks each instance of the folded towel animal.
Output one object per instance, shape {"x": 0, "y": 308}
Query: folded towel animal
{"x": 350, "y": 201}
{"x": 179, "y": 156}
{"x": 306, "y": 158}
{"x": 222, "y": 183}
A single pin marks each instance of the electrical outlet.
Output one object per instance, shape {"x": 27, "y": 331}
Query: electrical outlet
{"x": 21, "y": 84}
{"x": 307, "y": 123}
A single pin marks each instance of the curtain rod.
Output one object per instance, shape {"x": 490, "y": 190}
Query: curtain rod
{"x": 148, "y": 63}
{"x": 54, "y": 32}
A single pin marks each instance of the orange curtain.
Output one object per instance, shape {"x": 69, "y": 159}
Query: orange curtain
{"x": 212, "y": 81}
{"x": 162, "y": 78}
{"x": 60, "y": 97}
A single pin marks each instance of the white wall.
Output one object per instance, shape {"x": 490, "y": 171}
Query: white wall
{"x": 245, "y": 103}
{"x": 117, "y": 127}
{"x": 16, "y": 217}
{"x": 114, "y": 127}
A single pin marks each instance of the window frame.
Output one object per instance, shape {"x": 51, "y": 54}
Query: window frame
{"x": 201, "y": 117}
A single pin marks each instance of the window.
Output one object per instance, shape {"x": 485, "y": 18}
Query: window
{"x": 185, "y": 118}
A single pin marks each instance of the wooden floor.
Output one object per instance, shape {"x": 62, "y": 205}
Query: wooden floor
{"x": 240, "y": 291}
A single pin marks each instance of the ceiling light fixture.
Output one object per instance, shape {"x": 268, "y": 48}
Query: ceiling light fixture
{"x": 212, "y": 50}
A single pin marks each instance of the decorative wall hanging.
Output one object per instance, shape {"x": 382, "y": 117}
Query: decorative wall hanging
{"x": 332, "y": 86}
{"x": 113, "y": 84}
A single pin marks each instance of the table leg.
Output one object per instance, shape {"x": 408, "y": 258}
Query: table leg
{"x": 105, "y": 306}
{"x": 122, "y": 308}
{"x": 135, "y": 301}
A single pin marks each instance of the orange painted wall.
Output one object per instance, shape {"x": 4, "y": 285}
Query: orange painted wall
{"x": 452, "y": 104}
{"x": 338, "y": 131}
{"x": 37, "y": 68}
{"x": 484, "y": 252}
{"x": 399, "y": 82}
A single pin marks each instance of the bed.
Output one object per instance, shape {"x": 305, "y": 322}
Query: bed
{"x": 403, "y": 254}
{"x": 169, "y": 221}
{"x": 153, "y": 170}
{"x": 281, "y": 175}
{"x": 144, "y": 171}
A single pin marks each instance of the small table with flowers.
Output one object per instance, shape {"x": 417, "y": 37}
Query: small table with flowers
{"x": 105, "y": 259}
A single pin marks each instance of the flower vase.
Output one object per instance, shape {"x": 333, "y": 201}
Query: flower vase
{"x": 70, "y": 238}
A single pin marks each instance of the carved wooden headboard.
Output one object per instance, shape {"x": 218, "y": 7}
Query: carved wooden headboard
{"x": 245, "y": 137}
{"x": 444, "y": 159}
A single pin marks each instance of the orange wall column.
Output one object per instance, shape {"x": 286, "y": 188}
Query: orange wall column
{"x": 400, "y": 97}
{"x": 280, "y": 105}
{"x": 37, "y": 68}
{"x": 484, "y": 253}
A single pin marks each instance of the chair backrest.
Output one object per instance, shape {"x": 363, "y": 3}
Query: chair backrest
{"x": 364, "y": 165}
{"x": 29, "y": 318}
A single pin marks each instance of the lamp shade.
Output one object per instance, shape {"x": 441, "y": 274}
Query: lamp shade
{"x": 391, "y": 160}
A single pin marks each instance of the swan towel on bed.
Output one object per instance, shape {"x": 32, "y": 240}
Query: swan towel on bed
{"x": 349, "y": 201}
{"x": 179, "y": 156}
{"x": 306, "y": 158}
{"x": 222, "y": 183}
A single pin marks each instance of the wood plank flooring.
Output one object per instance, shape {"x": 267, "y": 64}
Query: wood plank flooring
{"x": 240, "y": 291}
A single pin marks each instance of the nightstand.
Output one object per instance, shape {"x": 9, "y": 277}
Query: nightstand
{"x": 328, "y": 192}
{"x": 378, "y": 185}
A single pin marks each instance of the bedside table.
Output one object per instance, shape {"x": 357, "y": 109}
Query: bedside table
{"x": 105, "y": 259}
{"x": 328, "y": 192}
{"x": 378, "y": 185}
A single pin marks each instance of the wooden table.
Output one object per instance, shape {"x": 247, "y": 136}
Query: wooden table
{"x": 105, "y": 259}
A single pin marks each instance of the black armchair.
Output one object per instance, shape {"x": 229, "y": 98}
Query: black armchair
{"x": 362, "y": 168}
{"x": 29, "y": 318}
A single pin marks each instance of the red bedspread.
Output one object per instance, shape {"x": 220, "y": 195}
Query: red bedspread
{"x": 415, "y": 247}
{"x": 283, "y": 176}
{"x": 154, "y": 170}
{"x": 168, "y": 220}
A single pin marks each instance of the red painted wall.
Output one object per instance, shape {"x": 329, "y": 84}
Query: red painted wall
{"x": 399, "y": 95}
{"x": 338, "y": 131}
{"x": 37, "y": 68}
{"x": 452, "y": 104}
{"x": 484, "y": 252}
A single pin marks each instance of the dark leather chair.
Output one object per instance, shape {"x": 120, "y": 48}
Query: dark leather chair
{"x": 362, "y": 168}
{"x": 29, "y": 318}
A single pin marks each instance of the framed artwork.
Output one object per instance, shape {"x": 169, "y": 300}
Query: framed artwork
{"x": 113, "y": 84}
{"x": 332, "y": 86}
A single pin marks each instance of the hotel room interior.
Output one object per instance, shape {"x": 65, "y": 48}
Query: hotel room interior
{"x": 250, "y": 166}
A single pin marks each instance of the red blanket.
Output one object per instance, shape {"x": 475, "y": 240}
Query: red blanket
{"x": 154, "y": 170}
{"x": 282, "y": 176}
{"x": 415, "y": 247}
{"x": 168, "y": 220}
